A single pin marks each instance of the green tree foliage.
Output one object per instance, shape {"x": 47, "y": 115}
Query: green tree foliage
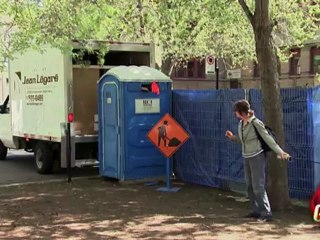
{"x": 184, "y": 29}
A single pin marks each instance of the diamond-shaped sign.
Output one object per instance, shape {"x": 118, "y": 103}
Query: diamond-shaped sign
{"x": 167, "y": 135}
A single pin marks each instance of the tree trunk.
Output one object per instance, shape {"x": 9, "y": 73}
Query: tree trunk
{"x": 277, "y": 174}
{"x": 167, "y": 65}
{"x": 268, "y": 66}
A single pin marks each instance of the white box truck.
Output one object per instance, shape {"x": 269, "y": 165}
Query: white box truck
{"x": 47, "y": 87}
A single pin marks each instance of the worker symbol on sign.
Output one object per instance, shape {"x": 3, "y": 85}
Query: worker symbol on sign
{"x": 162, "y": 133}
{"x": 167, "y": 135}
{"x": 163, "y": 137}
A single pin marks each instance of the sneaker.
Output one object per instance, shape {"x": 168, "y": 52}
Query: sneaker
{"x": 252, "y": 215}
{"x": 263, "y": 219}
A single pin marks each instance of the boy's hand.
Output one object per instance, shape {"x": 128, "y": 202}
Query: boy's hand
{"x": 284, "y": 156}
{"x": 229, "y": 135}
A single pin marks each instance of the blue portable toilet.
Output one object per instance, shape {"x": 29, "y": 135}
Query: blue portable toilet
{"x": 127, "y": 112}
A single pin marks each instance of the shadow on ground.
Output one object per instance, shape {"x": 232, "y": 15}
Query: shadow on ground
{"x": 99, "y": 209}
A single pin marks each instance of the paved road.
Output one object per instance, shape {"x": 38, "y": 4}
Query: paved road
{"x": 19, "y": 168}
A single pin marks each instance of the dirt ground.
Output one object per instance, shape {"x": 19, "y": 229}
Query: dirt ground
{"x": 100, "y": 209}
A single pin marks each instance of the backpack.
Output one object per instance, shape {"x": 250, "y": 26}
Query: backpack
{"x": 264, "y": 145}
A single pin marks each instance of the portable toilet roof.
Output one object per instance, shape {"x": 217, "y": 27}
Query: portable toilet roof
{"x": 138, "y": 74}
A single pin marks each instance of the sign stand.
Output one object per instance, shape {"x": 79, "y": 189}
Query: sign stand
{"x": 168, "y": 136}
{"x": 69, "y": 152}
{"x": 168, "y": 187}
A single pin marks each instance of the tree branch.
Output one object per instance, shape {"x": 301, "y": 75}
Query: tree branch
{"x": 247, "y": 11}
{"x": 141, "y": 18}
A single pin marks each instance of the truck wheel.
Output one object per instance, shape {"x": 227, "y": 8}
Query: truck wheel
{"x": 3, "y": 151}
{"x": 43, "y": 158}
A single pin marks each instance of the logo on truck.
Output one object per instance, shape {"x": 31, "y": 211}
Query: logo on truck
{"x": 39, "y": 79}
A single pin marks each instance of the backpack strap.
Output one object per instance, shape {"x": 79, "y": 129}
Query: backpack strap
{"x": 257, "y": 132}
{"x": 255, "y": 128}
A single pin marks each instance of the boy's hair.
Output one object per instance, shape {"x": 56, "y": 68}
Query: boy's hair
{"x": 165, "y": 122}
{"x": 242, "y": 106}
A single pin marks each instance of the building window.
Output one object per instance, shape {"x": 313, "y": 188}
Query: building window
{"x": 314, "y": 60}
{"x": 191, "y": 66}
{"x": 194, "y": 69}
{"x": 201, "y": 69}
{"x": 256, "y": 72}
{"x": 180, "y": 71}
{"x": 294, "y": 61}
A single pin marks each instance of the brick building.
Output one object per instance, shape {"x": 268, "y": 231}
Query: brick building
{"x": 299, "y": 71}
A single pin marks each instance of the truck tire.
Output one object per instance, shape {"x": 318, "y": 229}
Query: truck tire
{"x": 3, "y": 151}
{"x": 43, "y": 156}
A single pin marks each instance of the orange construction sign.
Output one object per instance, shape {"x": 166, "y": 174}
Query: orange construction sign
{"x": 168, "y": 135}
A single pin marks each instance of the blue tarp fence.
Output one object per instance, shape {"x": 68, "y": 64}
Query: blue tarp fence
{"x": 210, "y": 159}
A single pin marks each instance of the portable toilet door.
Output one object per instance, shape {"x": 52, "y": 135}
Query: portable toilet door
{"x": 111, "y": 121}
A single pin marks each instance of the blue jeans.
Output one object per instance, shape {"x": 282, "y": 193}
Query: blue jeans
{"x": 255, "y": 174}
